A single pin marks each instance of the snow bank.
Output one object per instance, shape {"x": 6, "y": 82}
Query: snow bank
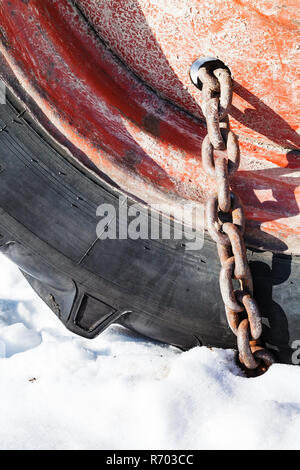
{"x": 121, "y": 391}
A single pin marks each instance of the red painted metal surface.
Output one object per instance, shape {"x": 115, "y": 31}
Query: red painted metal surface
{"x": 144, "y": 143}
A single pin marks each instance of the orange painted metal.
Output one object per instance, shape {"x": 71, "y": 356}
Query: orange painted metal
{"x": 139, "y": 121}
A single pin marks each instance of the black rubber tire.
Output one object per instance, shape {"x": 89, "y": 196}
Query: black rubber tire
{"x": 155, "y": 287}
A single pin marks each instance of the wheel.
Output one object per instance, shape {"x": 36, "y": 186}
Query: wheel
{"x": 158, "y": 288}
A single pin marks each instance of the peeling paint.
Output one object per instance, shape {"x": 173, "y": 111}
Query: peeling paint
{"x": 147, "y": 145}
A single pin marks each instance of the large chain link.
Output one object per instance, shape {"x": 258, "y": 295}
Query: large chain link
{"x": 225, "y": 219}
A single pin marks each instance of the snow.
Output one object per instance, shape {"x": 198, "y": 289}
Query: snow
{"x": 121, "y": 391}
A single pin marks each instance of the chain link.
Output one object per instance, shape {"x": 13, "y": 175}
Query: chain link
{"x": 221, "y": 159}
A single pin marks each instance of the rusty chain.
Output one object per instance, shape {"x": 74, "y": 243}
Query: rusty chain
{"x": 220, "y": 159}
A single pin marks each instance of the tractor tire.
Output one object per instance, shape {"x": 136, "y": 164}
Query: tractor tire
{"x": 48, "y": 220}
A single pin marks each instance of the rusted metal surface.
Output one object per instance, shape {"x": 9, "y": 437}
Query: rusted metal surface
{"x": 243, "y": 342}
{"x": 147, "y": 146}
{"x": 213, "y": 108}
{"x": 253, "y": 313}
{"x": 258, "y": 40}
{"x": 230, "y": 238}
